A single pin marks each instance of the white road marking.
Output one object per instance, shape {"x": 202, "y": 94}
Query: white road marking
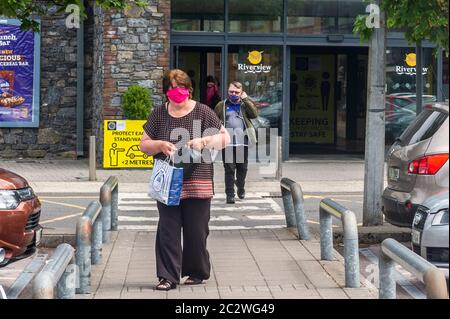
{"x": 217, "y": 196}
{"x": 266, "y": 217}
{"x": 213, "y": 208}
{"x": 151, "y": 201}
{"x": 406, "y": 284}
{"x": 137, "y": 219}
{"x": 237, "y": 227}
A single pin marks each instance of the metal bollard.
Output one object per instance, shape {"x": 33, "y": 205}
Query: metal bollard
{"x": 92, "y": 159}
{"x": 327, "y": 209}
{"x": 89, "y": 232}
{"x": 115, "y": 208}
{"x": 326, "y": 235}
{"x": 393, "y": 252}
{"x": 294, "y": 207}
{"x": 109, "y": 206}
{"x": 288, "y": 204}
{"x": 50, "y": 277}
{"x": 67, "y": 283}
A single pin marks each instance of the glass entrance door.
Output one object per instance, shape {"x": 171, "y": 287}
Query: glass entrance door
{"x": 204, "y": 67}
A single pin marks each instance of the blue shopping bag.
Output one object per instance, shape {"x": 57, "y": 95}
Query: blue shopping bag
{"x": 166, "y": 182}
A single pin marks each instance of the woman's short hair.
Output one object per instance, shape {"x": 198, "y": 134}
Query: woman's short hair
{"x": 237, "y": 84}
{"x": 180, "y": 77}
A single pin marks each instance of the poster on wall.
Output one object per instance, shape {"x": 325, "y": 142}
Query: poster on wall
{"x": 312, "y": 99}
{"x": 19, "y": 75}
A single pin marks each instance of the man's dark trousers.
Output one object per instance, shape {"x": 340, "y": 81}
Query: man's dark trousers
{"x": 235, "y": 162}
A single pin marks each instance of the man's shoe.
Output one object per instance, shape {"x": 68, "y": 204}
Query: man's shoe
{"x": 230, "y": 200}
{"x": 241, "y": 193}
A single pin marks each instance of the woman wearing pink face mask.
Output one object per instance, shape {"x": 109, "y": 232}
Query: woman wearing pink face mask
{"x": 163, "y": 135}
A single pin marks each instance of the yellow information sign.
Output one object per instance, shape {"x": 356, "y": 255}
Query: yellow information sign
{"x": 121, "y": 145}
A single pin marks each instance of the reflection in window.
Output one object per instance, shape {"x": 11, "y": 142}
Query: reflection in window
{"x": 259, "y": 69}
{"x": 400, "y": 108}
{"x": 197, "y": 15}
{"x": 255, "y": 16}
{"x": 323, "y": 16}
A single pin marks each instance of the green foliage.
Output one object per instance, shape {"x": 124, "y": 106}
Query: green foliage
{"x": 360, "y": 27}
{"x": 27, "y": 10}
{"x": 421, "y": 20}
{"x": 136, "y": 103}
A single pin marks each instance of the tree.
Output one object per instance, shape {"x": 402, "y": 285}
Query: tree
{"x": 420, "y": 20}
{"x": 27, "y": 10}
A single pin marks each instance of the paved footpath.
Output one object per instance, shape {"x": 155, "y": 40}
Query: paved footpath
{"x": 256, "y": 264}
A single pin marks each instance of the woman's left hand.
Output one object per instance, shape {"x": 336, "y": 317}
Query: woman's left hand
{"x": 197, "y": 144}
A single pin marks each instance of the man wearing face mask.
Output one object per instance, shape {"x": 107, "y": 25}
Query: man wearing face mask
{"x": 235, "y": 113}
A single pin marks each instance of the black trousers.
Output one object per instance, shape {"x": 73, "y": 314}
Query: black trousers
{"x": 191, "y": 259}
{"x": 235, "y": 164}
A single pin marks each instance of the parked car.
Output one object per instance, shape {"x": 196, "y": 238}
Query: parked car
{"x": 429, "y": 235}
{"x": 417, "y": 165}
{"x": 20, "y": 210}
{"x": 397, "y": 120}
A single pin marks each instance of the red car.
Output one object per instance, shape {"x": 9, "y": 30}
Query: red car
{"x": 20, "y": 211}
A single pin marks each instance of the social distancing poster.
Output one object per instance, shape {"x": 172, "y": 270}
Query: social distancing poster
{"x": 312, "y": 99}
{"x": 121, "y": 145}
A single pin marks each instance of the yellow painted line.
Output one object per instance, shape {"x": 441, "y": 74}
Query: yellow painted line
{"x": 59, "y": 218}
{"x": 322, "y": 197}
{"x": 63, "y": 204}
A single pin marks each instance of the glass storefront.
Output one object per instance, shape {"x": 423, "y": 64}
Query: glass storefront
{"x": 198, "y": 15}
{"x": 323, "y": 16}
{"x": 259, "y": 68}
{"x": 320, "y": 92}
{"x": 260, "y": 16}
{"x": 401, "y": 88}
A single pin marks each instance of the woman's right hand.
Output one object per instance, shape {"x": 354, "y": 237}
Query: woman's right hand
{"x": 167, "y": 148}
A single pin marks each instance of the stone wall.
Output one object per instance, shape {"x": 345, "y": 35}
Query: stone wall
{"x": 134, "y": 49}
{"x": 121, "y": 49}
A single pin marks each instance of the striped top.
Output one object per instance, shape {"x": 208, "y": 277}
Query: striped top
{"x": 160, "y": 125}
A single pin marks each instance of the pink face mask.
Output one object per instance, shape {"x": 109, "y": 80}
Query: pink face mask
{"x": 178, "y": 95}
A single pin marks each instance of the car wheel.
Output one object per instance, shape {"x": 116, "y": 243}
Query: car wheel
{"x": 145, "y": 156}
{"x": 131, "y": 156}
{"x": 4, "y": 263}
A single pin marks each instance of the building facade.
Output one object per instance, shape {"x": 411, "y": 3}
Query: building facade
{"x": 297, "y": 59}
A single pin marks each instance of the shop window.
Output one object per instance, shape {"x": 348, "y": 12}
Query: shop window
{"x": 256, "y": 16}
{"x": 400, "y": 108}
{"x": 259, "y": 69}
{"x": 197, "y": 15}
{"x": 323, "y": 16}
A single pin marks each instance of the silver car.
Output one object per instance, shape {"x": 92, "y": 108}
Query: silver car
{"x": 429, "y": 235}
{"x": 417, "y": 165}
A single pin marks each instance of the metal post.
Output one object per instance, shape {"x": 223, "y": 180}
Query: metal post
{"x": 65, "y": 288}
{"x": 351, "y": 250}
{"x": 386, "y": 273}
{"x": 43, "y": 286}
{"x": 375, "y": 128}
{"x": 435, "y": 283}
{"x": 97, "y": 241}
{"x": 105, "y": 200}
{"x": 114, "y": 208}
{"x": 326, "y": 235}
{"x": 83, "y": 254}
{"x": 300, "y": 218}
{"x": 92, "y": 161}
{"x": 288, "y": 207}
{"x": 279, "y": 174}
{"x": 419, "y": 77}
